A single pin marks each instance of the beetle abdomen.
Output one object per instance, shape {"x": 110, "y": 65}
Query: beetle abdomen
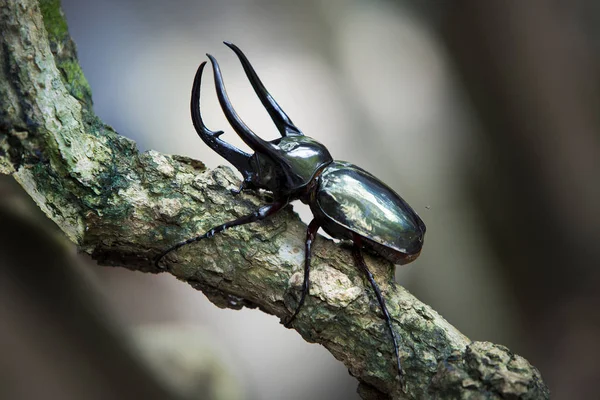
{"x": 356, "y": 201}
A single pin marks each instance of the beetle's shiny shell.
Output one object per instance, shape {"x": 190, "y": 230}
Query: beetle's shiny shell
{"x": 359, "y": 202}
{"x": 291, "y": 164}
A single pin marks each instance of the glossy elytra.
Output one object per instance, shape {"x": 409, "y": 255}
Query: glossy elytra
{"x": 347, "y": 202}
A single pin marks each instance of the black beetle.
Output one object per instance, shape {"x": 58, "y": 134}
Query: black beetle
{"x": 346, "y": 201}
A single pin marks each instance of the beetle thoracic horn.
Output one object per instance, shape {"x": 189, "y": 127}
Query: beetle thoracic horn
{"x": 284, "y": 124}
{"x": 250, "y": 138}
{"x": 235, "y": 156}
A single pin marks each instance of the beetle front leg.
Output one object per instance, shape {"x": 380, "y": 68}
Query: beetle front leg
{"x": 258, "y": 215}
{"x": 245, "y": 185}
{"x": 358, "y": 258}
{"x": 311, "y": 233}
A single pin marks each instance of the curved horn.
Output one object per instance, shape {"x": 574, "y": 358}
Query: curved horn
{"x": 284, "y": 124}
{"x": 245, "y": 133}
{"x": 235, "y": 156}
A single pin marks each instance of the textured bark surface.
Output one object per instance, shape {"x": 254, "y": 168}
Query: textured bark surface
{"x": 123, "y": 207}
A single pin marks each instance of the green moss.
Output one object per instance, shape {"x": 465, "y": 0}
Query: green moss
{"x": 54, "y": 20}
{"x": 64, "y": 51}
{"x": 75, "y": 81}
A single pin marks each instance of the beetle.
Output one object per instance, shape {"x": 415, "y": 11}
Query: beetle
{"x": 347, "y": 202}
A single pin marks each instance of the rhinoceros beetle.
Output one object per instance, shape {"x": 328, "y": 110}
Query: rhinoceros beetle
{"x": 347, "y": 202}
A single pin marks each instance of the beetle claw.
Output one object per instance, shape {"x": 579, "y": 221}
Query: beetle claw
{"x": 243, "y": 186}
{"x": 402, "y": 382}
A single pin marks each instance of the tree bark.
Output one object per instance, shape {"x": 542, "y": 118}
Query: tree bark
{"x": 124, "y": 207}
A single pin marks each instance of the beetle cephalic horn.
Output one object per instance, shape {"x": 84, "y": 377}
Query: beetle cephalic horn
{"x": 250, "y": 138}
{"x": 284, "y": 124}
{"x": 235, "y": 156}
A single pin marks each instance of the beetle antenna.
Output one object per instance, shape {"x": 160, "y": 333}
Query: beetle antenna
{"x": 235, "y": 156}
{"x": 284, "y": 124}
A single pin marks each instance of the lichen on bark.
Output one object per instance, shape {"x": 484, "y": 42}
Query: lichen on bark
{"x": 124, "y": 207}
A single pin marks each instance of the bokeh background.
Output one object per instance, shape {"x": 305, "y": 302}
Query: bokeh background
{"x": 482, "y": 115}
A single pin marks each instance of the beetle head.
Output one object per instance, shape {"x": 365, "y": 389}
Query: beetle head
{"x": 283, "y": 165}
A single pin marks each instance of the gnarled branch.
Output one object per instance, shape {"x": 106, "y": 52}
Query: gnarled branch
{"x": 123, "y": 207}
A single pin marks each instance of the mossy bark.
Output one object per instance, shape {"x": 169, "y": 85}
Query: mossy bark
{"x": 124, "y": 207}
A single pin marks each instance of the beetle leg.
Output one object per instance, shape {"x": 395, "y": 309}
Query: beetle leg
{"x": 358, "y": 258}
{"x": 235, "y": 156}
{"x": 311, "y": 232}
{"x": 284, "y": 124}
{"x": 242, "y": 187}
{"x": 245, "y": 185}
{"x": 258, "y": 215}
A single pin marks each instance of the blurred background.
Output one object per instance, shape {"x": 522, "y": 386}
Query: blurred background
{"x": 482, "y": 115}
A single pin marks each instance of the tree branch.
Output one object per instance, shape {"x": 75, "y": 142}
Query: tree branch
{"x": 124, "y": 207}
